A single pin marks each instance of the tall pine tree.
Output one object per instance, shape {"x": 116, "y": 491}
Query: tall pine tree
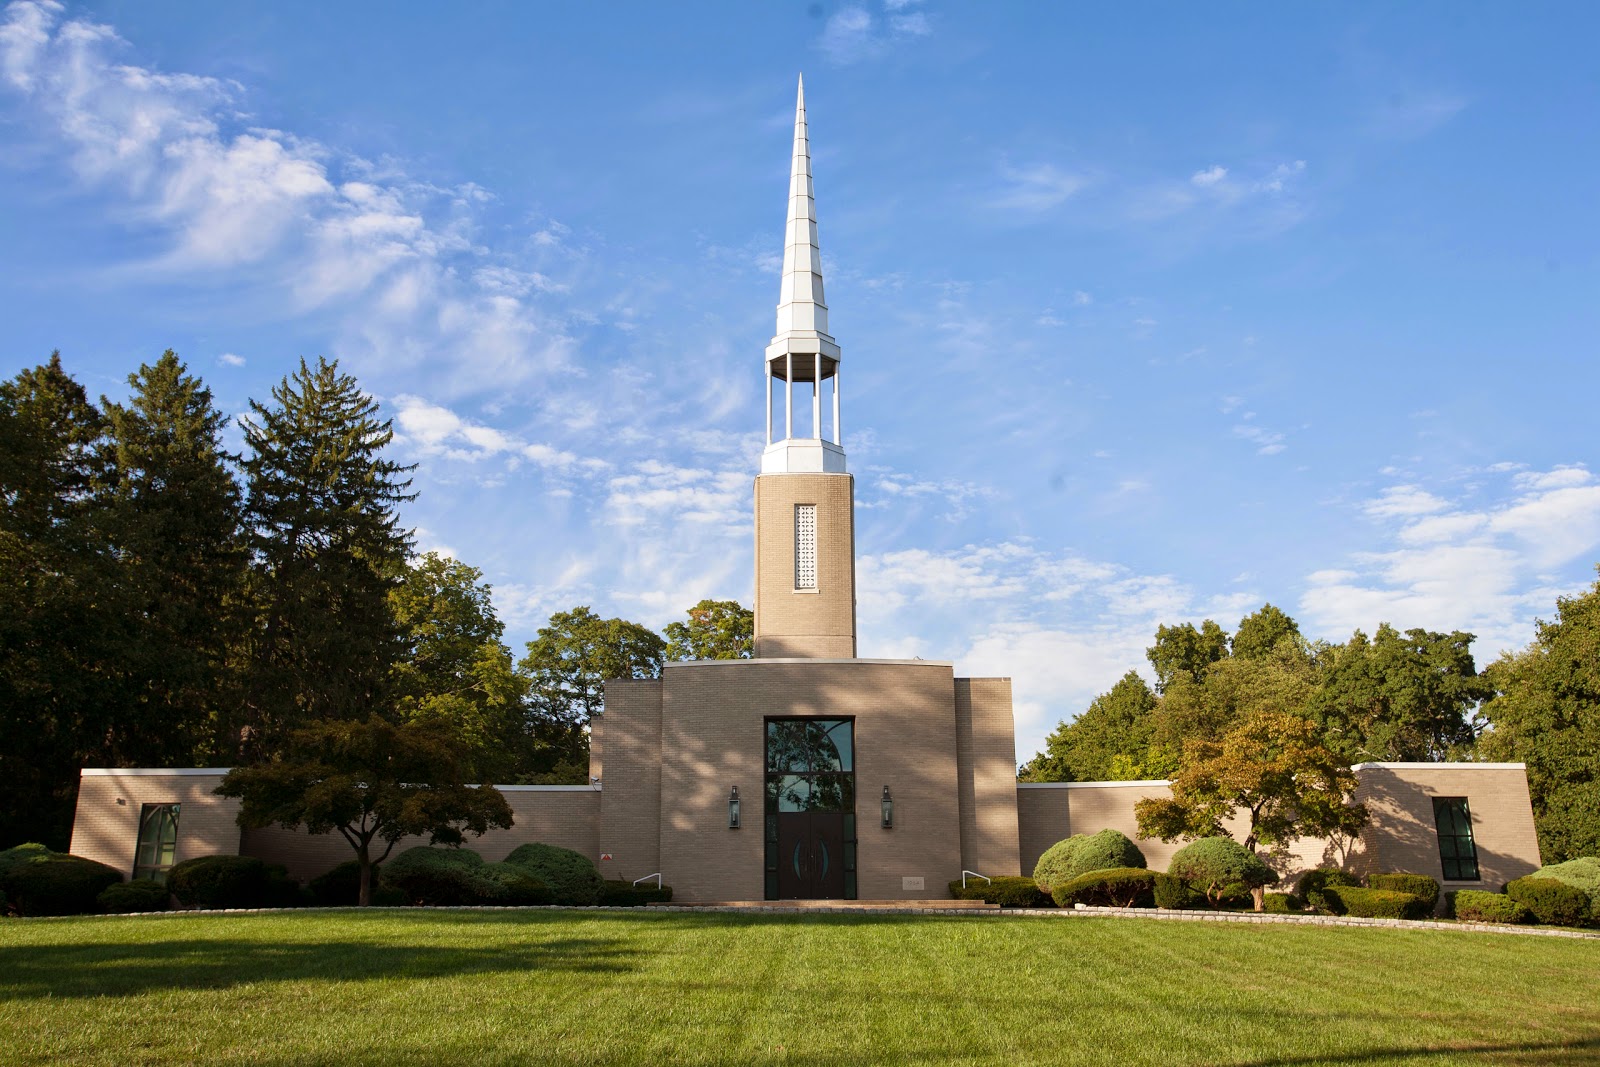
{"x": 327, "y": 548}
{"x": 174, "y": 524}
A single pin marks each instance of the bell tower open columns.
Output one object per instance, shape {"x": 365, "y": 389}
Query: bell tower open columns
{"x": 805, "y": 499}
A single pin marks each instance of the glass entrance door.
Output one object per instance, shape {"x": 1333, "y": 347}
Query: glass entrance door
{"x": 810, "y": 809}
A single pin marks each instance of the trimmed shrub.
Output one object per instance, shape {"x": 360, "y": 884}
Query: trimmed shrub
{"x": 4, "y": 908}
{"x": 1477, "y": 906}
{"x": 233, "y": 882}
{"x": 1311, "y": 885}
{"x": 38, "y": 881}
{"x": 571, "y": 876}
{"x": 143, "y": 895}
{"x": 442, "y": 877}
{"x": 1551, "y": 902}
{"x": 1174, "y": 893}
{"x": 1117, "y": 887}
{"x": 1213, "y": 865}
{"x": 1418, "y": 885}
{"x": 1582, "y": 873}
{"x": 1008, "y": 891}
{"x": 1362, "y": 903}
{"x": 341, "y": 886}
{"x": 1279, "y": 904}
{"x": 622, "y": 894}
{"x": 518, "y": 888}
{"x": 1082, "y": 853}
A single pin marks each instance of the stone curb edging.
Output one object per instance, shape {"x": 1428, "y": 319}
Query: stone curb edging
{"x": 1249, "y": 917}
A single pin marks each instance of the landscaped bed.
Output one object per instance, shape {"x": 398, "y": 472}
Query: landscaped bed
{"x": 564, "y": 987}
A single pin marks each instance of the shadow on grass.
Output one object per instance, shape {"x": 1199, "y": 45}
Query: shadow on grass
{"x": 1576, "y": 1050}
{"x": 128, "y": 969}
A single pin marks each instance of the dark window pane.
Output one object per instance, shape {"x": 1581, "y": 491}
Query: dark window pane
{"x": 1458, "y": 856}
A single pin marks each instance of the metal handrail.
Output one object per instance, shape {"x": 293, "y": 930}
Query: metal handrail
{"x": 646, "y": 878}
{"x": 974, "y": 874}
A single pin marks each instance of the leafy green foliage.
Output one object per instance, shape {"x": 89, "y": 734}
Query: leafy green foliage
{"x": 454, "y": 669}
{"x": 1082, "y": 853}
{"x": 518, "y": 887}
{"x": 1418, "y": 885}
{"x": 1118, "y": 887}
{"x": 1552, "y": 902}
{"x": 571, "y": 876}
{"x": 1184, "y": 652}
{"x": 1106, "y": 743}
{"x": 232, "y": 882}
{"x": 371, "y": 781}
{"x": 442, "y": 877}
{"x": 1008, "y": 891}
{"x": 1583, "y": 873}
{"x": 1260, "y": 633}
{"x": 340, "y": 886}
{"x": 567, "y": 665}
{"x": 125, "y": 897}
{"x": 1312, "y": 884}
{"x": 1212, "y": 864}
{"x": 328, "y": 549}
{"x": 1545, "y": 712}
{"x": 1173, "y": 892}
{"x": 620, "y": 894}
{"x": 1362, "y": 903}
{"x": 1279, "y": 904}
{"x": 715, "y": 629}
{"x": 39, "y": 881}
{"x": 1477, "y": 906}
{"x": 1273, "y": 768}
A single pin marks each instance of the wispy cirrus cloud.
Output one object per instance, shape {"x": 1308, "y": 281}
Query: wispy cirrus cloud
{"x": 1035, "y": 188}
{"x": 858, "y": 32}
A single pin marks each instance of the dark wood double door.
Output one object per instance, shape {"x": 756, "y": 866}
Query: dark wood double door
{"x": 810, "y": 818}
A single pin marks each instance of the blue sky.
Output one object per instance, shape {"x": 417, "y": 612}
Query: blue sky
{"x": 1148, "y": 313}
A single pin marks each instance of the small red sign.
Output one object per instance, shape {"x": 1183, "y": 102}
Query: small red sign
{"x": 605, "y": 855}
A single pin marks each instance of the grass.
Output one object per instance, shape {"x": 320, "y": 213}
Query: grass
{"x": 399, "y": 987}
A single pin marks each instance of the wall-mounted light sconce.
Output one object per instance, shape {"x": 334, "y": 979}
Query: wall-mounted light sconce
{"x": 733, "y": 809}
{"x": 888, "y": 809}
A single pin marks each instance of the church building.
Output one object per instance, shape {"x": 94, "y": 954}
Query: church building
{"x": 807, "y": 772}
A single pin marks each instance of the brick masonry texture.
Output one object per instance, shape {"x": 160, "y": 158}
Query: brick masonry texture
{"x": 630, "y": 808}
{"x": 106, "y": 825}
{"x": 820, "y": 624}
{"x": 986, "y": 769}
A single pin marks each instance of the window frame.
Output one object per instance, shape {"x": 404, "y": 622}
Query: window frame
{"x": 1461, "y": 852}
{"x": 805, "y": 537}
{"x": 163, "y": 844}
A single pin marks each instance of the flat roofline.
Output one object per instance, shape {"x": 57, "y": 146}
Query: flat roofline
{"x": 1089, "y": 785}
{"x": 1454, "y": 766}
{"x": 197, "y": 772}
{"x": 802, "y": 659}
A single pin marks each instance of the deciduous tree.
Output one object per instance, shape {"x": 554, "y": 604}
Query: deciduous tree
{"x": 1109, "y": 742}
{"x": 715, "y": 629}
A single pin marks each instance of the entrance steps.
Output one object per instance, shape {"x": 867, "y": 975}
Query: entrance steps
{"x": 833, "y": 905}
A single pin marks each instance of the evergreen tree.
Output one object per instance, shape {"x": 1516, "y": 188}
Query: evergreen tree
{"x": 174, "y": 525}
{"x": 59, "y": 618}
{"x": 327, "y": 549}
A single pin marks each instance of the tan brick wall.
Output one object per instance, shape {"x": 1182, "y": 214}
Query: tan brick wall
{"x": 1402, "y": 835}
{"x": 1049, "y": 812}
{"x": 568, "y": 817}
{"x": 986, "y": 768}
{"x": 820, "y": 624}
{"x": 106, "y": 825}
{"x": 713, "y": 722}
{"x": 630, "y": 806}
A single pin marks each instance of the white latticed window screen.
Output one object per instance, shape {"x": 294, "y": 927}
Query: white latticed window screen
{"x": 805, "y": 546}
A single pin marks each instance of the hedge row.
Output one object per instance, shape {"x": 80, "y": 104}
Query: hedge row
{"x": 1007, "y": 891}
{"x": 36, "y": 881}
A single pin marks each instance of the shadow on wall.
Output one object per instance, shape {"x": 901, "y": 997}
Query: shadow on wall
{"x": 1402, "y": 835}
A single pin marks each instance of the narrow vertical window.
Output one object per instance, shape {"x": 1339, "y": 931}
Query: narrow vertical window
{"x": 805, "y": 546}
{"x": 1457, "y": 854}
{"x": 158, "y": 842}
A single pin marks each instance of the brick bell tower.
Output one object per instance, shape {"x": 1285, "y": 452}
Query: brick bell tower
{"x": 805, "y": 500}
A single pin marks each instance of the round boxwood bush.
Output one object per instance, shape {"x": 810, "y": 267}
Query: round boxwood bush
{"x": 1477, "y": 906}
{"x": 1582, "y": 873}
{"x": 1418, "y": 885}
{"x": 1311, "y": 885}
{"x": 340, "y": 887}
{"x": 1173, "y": 893}
{"x": 571, "y": 876}
{"x": 1213, "y": 864}
{"x": 1008, "y": 891}
{"x": 1551, "y": 902}
{"x": 1082, "y": 853}
{"x": 1117, "y": 887}
{"x": 1279, "y": 904}
{"x": 621, "y": 894}
{"x": 232, "y": 882}
{"x": 1363, "y": 903}
{"x": 442, "y": 877}
{"x": 37, "y": 881}
{"x": 143, "y": 895}
{"x": 518, "y": 888}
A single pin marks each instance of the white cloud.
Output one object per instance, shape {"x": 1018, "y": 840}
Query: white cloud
{"x": 1035, "y": 188}
{"x": 854, "y": 33}
{"x": 1208, "y": 177}
{"x": 229, "y": 359}
{"x": 430, "y": 430}
{"x": 1267, "y": 442}
{"x": 1403, "y": 500}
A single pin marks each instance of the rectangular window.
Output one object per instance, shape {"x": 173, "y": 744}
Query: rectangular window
{"x": 158, "y": 842}
{"x": 805, "y": 546}
{"x": 1457, "y": 854}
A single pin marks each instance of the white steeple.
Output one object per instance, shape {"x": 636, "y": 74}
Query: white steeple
{"x": 801, "y": 349}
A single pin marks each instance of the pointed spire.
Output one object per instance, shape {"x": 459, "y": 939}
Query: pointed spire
{"x": 801, "y": 308}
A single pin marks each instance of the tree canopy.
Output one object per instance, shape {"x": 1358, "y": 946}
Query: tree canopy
{"x": 715, "y": 629}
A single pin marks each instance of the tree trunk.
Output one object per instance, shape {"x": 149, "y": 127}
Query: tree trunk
{"x": 1258, "y": 893}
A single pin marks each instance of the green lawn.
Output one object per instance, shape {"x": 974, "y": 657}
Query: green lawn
{"x": 395, "y": 987}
